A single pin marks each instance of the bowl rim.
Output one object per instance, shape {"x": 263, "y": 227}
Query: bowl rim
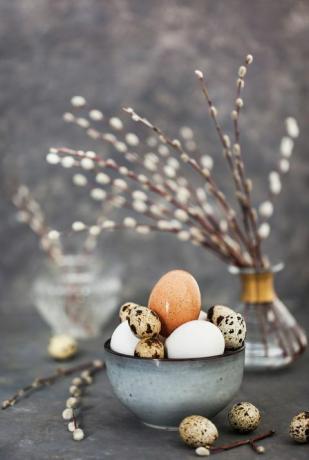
{"x": 108, "y": 349}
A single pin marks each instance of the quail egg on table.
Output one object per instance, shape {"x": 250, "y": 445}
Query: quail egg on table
{"x": 176, "y": 298}
{"x": 144, "y": 322}
{"x": 244, "y": 417}
{"x": 195, "y": 339}
{"x": 62, "y": 347}
{"x": 123, "y": 340}
{"x": 231, "y": 324}
{"x": 299, "y": 427}
{"x": 125, "y": 310}
{"x": 197, "y": 431}
{"x": 149, "y": 348}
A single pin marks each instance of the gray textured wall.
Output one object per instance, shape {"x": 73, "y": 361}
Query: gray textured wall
{"x": 144, "y": 54}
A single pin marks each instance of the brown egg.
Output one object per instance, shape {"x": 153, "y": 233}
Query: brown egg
{"x": 176, "y": 298}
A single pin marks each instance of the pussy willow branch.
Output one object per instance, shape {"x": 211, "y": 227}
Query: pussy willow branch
{"x": 41, "y": 382}
{"x": 231, "y": 161}
{"x": 250, "y": 215}
{"x": 216, "y": 239}
{"x": 204, "y": 173}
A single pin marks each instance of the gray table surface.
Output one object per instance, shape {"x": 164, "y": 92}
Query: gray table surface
{"x": 34, "y": 429}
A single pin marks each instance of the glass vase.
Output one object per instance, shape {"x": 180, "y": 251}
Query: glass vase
{"x": 77, "y": 297}
{"x": 274, "y": 338}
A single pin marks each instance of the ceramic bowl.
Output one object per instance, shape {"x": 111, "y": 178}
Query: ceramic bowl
{"x": 161, "y": 392}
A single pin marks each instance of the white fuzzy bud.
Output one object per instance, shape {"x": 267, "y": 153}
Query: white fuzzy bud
{"x": 129, "y": 222}
{"x": 163, "y": 225}
{"x": 53, "y": 235}
{"x": 78, "y": 434}
{"x": 67, "y": 162}
{"x": 82, "y": 122}
{"x": 186, "y": 132}
{"x": 71, "y": 426}
{"x": 185, "y": 158}
{"x": 169, "y": 171}
{"x": 151, "y": 141}
{"x": 102, "y": 178}
{"x": 201, "y": 194}
{"x": 284, "y": 165}
{"x": 132, "y": 139}
{"x": 275, "y": 182}
{"x": 181, "y": 215}
{"x": 96, "y": 115}
{"x": 213, "y": 111}
{"x": 239, "y": 102}
{"x": 121, "y": 147}
{"x": 226, "y": 140}
{"x": 68, "y": 117}
{"x": 207, "y": 161}
{"x": 108, "y": 224}
{"x": 156, "y": 210}
{"x": 120, "y": 184}
{"x": 123, "y": 170}
{"x": 249, "y": 59}
{"x": 142, "y": 178}
{"x": 93, "y": 133}
{"x": 67, "y": 414}
{"x": 98, "y": 194}
{"x": 183, "y": 235}
{"x": 139, "y": 195}
{"x": 78, "y": 226}
{"x": 163, "y": 150}
{"x": 94, "y": 230}
{"x": 116, "y": 123}
{"x": 78, "y": 101}
{"x": 286, "y": 147}
{"x": 109, "y": 137}
{"x": 139, "y": 206}
{"x": 80, "y": 180}
{"x": 202, "y": 451}
{"x": 71, "y": 402}
{"x": 176, "y": 143}
{"x": 173, "y": 163}
{"x": 234, "y": 115}
{"x": 242, "y": 71}
{"x": 87, "y": 163}
{"x": 52, "y": 158}
{"x": 199, "y": 74}
{"x": 143, "y": 229}
{"x": 191, "y": 145}
{"x": 266, "y": 209}
{"x": 292, "y": 127}
{"x": 150, "y": 164}
{"x": 264, "y": 230}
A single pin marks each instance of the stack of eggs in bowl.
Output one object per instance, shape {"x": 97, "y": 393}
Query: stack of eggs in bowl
{"x": 170, "y": 359}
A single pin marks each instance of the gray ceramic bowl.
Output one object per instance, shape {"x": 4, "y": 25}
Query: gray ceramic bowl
{"x": 161, "y": 392}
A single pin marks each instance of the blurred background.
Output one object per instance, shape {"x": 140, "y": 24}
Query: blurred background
{"x": 143, "y": 54}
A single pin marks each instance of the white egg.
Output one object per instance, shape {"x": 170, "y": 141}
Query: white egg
{"x": 202, "y": 316}
{"x": 195, "y": 339}
{"x": 123, "y": 340}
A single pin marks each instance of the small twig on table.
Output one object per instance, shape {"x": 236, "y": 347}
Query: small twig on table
{"x": 40, "y": 382}
{"x": 251, "y": 442}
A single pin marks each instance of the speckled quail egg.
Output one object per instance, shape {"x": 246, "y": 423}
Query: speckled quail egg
{"x": 197, "y": 431}
{"x": 144, "y": 323}
{"x": 299, "y": 427}
{"x": 149, "y": 348}
{"x": 215, "y": 313}
{"x": 125, "y": 310}
{"x": 244, "y": 417}
{"x": 231, "y": 324}
{"x": 62, "y": 347}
